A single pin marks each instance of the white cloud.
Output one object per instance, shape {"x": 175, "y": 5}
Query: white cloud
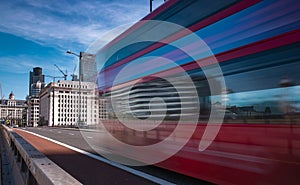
{"x": 106, "y": 37}
{"x": 23, "y": 64}
{"x": 62, "y": 24}
{"x": 17, "y": 64}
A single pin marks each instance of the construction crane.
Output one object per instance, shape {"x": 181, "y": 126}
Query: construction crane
{"x": 54, "y": 77}
{"x": 65, "y": 75}
{"x": 74, "y": 77}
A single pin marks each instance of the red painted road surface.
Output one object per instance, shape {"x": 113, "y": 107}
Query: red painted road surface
{"x": 85, "y": 169}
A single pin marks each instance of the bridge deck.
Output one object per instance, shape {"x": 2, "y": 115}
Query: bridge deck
{"x": 85, "y": 169}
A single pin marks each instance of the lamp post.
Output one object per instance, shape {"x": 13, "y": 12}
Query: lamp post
{"x": 151, "y": 6}
{"x": 79, "y": 88}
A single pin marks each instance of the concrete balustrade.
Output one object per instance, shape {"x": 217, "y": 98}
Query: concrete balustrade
{"x": 31, "y": 167}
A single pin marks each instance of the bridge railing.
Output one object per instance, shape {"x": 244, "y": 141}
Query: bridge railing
{"x": 30, "y": 166}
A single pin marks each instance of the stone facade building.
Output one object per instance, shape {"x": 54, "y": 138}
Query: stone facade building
{"x": 12, "y": 111}
{"x": 65, "y": 103}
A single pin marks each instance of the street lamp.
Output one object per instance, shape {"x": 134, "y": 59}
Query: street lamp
{"x": 70, "y": 52}
{"x": 79, "y": 89}
{"x": 79, "y": 61}
{"x": 152, "y": 3}
{"x": 151, "y": 6}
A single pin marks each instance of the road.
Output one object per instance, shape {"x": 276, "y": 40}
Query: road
{"x": 73, "y": 137}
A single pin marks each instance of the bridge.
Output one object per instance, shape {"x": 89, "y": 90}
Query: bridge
{"x": 51, "y": 155}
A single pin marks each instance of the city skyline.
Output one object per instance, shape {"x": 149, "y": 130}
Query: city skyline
{"x": 38, "y": 34}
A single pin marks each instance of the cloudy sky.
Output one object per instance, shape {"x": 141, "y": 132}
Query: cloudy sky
{"x": 37, "y": 33}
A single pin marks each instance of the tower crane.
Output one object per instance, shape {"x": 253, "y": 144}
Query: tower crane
{"x": 65, "y": 75}
{"x": 74, "y": 77}
{"x": 54, "y": 77}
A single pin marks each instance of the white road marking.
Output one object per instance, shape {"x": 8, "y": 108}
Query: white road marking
{"x": 59, "y": 132}
{"x": 71, "y": 134}
{"x": 89, "y": 137}
{"x": 99, "y": 158}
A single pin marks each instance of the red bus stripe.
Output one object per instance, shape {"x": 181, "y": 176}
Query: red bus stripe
{"x": 150, "y": 16}
{"x": 267, "y": 44}
{"x": 210, "y": 20}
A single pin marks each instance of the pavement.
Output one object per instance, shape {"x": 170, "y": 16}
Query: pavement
{"x": 5, "y": 170}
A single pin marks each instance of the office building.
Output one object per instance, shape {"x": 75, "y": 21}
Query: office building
{"x": 63, "y": 103}
{"x": 36, "y": 81}
{"x": 33, "y": 111}
{"x": 103, "y": 108}
{"x": 88, "y": 67}
{"x": 36, "y": 84}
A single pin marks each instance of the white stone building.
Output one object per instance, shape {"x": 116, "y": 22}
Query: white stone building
{"x": 60, "y": 105}
{"x": 103, "y": 106}
{"x": 33, "y": 111}
{"x": 11, "y": 111}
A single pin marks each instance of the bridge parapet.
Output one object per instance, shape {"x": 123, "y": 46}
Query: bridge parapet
{"x": 30, "y": 166}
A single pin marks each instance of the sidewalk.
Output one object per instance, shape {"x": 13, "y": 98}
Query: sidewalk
{"x": 5, "y": 170}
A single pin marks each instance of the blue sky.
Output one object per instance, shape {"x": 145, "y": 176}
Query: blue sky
{"x": 37, "y": 33}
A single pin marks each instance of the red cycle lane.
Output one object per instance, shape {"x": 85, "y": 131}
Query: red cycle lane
{"x": 85, "y": 169}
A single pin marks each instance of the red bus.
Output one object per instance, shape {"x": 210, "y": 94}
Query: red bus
{"x": 255, "y": 44}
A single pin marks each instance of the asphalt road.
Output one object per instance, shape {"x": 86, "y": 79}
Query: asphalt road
{"x": 71, "y": 136}
{"x": 74, "y": 137}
